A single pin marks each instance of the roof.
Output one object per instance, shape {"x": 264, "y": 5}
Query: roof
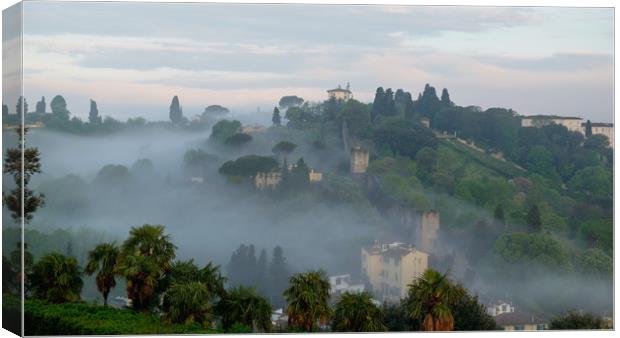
{"x": 395, "y": 250}
{"x": 518, "y": 318}
{"x": 339, "y": 90}
{"x": 555, "y": 117}
{"x": 598, "y": 124}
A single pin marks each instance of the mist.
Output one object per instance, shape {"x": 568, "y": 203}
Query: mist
{"x": 207, "y": 221}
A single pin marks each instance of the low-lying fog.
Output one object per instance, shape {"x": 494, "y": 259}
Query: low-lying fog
{"x": 207, "y": 221}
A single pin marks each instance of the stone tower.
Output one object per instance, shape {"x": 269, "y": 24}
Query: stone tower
{"x": 427, "y": 230}
{"x": 359, "y": 160}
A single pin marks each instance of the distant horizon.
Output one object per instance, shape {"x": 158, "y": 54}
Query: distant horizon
{"x": 249, "y": 114}
{"x": 133, "y": 57}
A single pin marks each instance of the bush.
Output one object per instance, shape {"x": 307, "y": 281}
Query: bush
{"x": 42, "y": 318}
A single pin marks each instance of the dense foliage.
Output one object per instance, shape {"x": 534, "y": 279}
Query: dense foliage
{"x": 355, "y": 312}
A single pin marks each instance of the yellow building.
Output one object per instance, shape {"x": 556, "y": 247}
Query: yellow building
{"x": 271, "y": 180}
{"x": 267, "y": 180}
{"x": 359, "y": 160}
{"x": 315, "y": 176}
{"x": 339, "y": 94}
{"x": 391, "y": 267}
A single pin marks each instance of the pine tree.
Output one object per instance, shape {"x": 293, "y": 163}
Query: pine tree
{"x": 176, "y": 112}
{"x": 59, "y": 108}
{"x": 276, "y": 118}
{"x": 588, "y": 128}
{"x": 534, "y": 221}
{"x": 93, "y": 114}
{"x": 13, "y": 166}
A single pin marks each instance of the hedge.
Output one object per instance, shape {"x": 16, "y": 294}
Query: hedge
{"x": 43, "y": 318}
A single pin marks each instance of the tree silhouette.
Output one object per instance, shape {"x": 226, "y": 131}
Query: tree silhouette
{"x": 176, "y": 112}
{"x": 534, "y": 221}
{"x": 276, "y": 118}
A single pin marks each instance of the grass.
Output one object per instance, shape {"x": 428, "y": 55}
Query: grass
{"x": 503, "y": 168}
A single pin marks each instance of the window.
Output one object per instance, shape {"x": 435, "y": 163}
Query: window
{"x": 504, "y": 307}
{"x": 540, "y": 327}
{"x": 519, "y": 327}
{"x": 337, "y": 281}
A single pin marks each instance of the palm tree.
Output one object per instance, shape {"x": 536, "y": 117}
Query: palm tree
{"x": 429, "y": 297}
{"x": 102, "y": 259}
{"x": 187, "y": 303}
{"x": 242, "y": 305}
{"x": 355, "y": 312}
{"x": 307, "y": 297}
{"x": 57, "y": 278}
{"x": 145, "y": 257}
{"x": 211, "y": 276}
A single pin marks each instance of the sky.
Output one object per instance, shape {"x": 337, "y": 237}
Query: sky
{"x": 132, "y": 58}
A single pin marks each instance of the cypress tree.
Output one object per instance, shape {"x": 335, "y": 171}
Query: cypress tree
{"x": 429, "y": 104}
{"x": 22, "y": 106}
{"x": 588, "y": 128}
{"x": 534, "y": 221}
{"x": 40, "y": 107}
{"x": 378, "y": 105}
{"x": 390, "y": 107}
{"x": 276, "y": 118}
{"x": 261, "y": 272}
{"x": 93, "y": 114}
{"x": 300, "y": 178}
{"x": 445, "y": 98}
{"x": 278, "y": 277}
{"x": 499, "y": 216}
{"x": 176, "y": 112}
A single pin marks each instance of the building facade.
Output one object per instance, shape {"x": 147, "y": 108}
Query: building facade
{"x": 267, "y": 180}
{"x": 605, "y": 129}
{"x": 520, "y": 321}
{"x": 428, "y": 230}
{"x": 499, "y": 307}
{"x": 271, "y": 180}
{"x": 340, "y": 94}
{"x": 340, "y": 284}
{"x": 391, "y": 267}
{"x": 571, "y": 123}
{"x": 359, "y": 160}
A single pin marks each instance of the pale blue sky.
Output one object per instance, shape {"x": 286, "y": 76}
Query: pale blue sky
{"x": 133, "y": 57}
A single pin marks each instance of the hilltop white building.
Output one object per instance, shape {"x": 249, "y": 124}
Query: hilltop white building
{"x": 340, "y": 94}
